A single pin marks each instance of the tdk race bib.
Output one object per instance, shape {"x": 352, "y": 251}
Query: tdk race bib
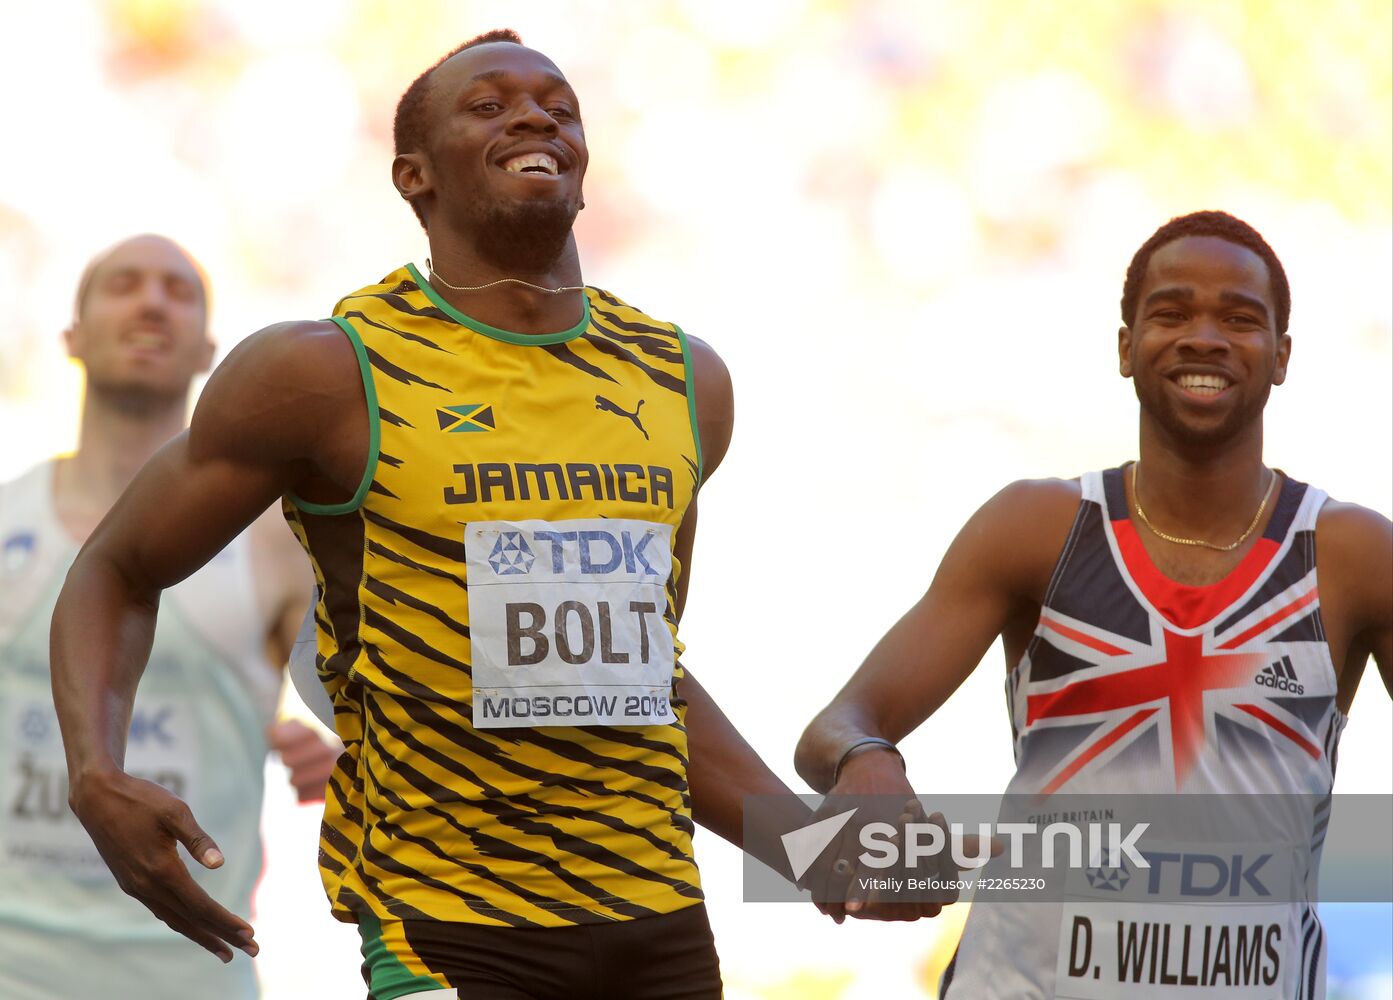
{"x": 566, "y": 622}
{"x": 38, "y": 829}
{"x": 1204, "y": 920}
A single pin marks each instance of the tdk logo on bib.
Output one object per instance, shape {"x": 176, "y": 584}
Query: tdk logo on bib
{"x": 510, "y": 555}
{"x": 592, "y": 553}
{"x": 1109, "y": 879}
{"x": 567, "y": 622}
{"x": 598, "y": 553}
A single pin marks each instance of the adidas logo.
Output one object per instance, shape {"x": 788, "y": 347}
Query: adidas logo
{"x": 1280, "y": 674}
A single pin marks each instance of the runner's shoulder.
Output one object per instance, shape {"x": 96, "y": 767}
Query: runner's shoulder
{"x": 1020, "y": 531}
{"x": 1039, "y": 502}
{"x": 1353, "y": 544}
{"x": 1350, "y": 522}
{"x": 307, "y": 347}
{"x": 289, "y": 382}
{"x": 708, "y": 369}
{"x": 311, "y": 355}
{"x": 715, "y": 401}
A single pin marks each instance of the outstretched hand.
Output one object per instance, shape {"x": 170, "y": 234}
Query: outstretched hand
{"x": 136, "y": 826}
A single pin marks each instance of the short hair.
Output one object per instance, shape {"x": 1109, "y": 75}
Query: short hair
{"x": 1220, "y": 225}
{"x": 89, "y": 272}
{"x": 409, "y": 123}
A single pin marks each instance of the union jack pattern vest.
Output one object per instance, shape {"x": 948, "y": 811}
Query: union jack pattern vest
{"x": 1136, "y": 684}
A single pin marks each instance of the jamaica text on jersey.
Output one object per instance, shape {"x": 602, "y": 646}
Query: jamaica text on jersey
{"x": 495, "y": 623}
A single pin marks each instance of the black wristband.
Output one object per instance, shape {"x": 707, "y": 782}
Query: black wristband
{"x": 855, "y": 745}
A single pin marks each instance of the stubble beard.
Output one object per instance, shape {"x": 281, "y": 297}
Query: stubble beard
{"x": 1160, "y": 408}
{"x": 524, "y": 237}
{"x": 137, "y": 400}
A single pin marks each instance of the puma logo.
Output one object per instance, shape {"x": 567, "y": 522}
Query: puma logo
{"x": 611, "y": 407}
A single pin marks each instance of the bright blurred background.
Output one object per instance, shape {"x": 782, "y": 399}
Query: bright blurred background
{"x": 903, "y": 223}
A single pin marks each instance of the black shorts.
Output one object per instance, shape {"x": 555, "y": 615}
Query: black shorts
{"x": 667, "y": 957}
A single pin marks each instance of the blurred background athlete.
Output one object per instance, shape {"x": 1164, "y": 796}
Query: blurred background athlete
{"x": 204, "y": 719}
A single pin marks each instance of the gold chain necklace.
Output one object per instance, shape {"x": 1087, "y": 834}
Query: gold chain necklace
{"x": 1136, "y": 500}
{"x": 501, "y": 281}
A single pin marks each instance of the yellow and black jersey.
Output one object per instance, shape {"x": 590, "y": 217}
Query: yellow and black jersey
{"x": 496, "y": 627}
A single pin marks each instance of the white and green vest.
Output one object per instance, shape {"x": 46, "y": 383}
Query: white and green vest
{"x": 66, "y": 928}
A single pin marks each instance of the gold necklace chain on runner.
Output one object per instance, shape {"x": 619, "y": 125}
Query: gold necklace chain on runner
{"x": 1136, "y": 500}
{"x": 501, "y": 281}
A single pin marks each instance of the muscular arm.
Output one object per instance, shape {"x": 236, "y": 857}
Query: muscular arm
{"x": 264, "y": 425}
{"x": 723, "y": 767}
{"x": 1354, "y": 563}
{"x": 990, "y": 583}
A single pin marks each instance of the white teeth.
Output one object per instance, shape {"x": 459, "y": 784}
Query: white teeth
{"x": 1203, "y": 385}
{"x": 537, "y": 161}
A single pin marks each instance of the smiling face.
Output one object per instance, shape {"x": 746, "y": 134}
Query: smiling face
{"x": 141, "y": 326}
{"x": 505, "y": 155}
{"x": 1202, "y": 349}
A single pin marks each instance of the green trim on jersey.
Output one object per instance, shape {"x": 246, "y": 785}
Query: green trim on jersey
{"x": 507, "y": 336}
{"x": 404, "y": 600}
{"x": 691, "y": 399}
{"x": 388, "y": 977}
{"x": 374, "y": 431}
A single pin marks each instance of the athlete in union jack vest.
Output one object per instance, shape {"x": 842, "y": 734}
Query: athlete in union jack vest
{"x": 1190, "y": 622}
